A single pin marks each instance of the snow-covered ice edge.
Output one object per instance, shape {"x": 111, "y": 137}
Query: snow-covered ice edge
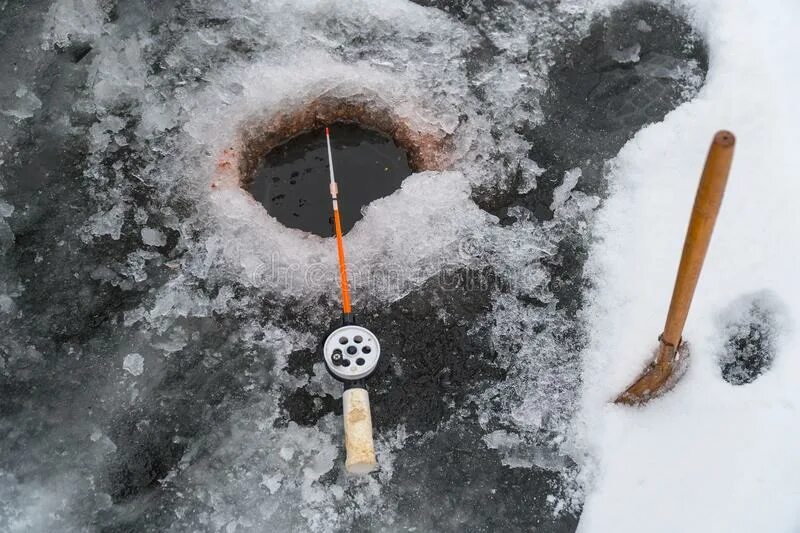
{"x": 708, "y": 456}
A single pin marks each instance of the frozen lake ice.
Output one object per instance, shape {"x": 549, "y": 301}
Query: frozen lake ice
{"x": 160, "y": 365}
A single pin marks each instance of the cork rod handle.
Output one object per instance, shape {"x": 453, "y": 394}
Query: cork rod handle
{"x": 358, "y": 432}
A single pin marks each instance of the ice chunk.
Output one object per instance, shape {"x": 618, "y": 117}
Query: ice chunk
{"x": 133, "y": 364}
{"x": 106, "y": 223}
{"x": 140, "y": 216}
{"x": 286, "y": 453}
{"x": 6, "y": 209}
{"x": 153, "y": 237}
{"x": 6, "y": 237}
{"x": 100, "y": 131}
{"x": 69, "y": 21}
{"x": 6, "y": 304}
{"x": 271, "y": 483}
{"x": 530, "y": 171}
{"x": 507, "y": 443}
{"x": 157, "y": 119}
{"x": 25, "y": 105}
{"x": 562, "y": 193}
{"x": 629, "y": 54}
{"x": 119, "y": 72}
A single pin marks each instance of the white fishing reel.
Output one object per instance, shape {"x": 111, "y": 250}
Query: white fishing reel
{"x": 351, "y": 353}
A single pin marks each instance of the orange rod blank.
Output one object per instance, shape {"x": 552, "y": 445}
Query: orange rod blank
{"x": 342, "y": 265}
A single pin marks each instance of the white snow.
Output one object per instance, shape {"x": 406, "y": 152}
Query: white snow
{"x": 708, "y": 456}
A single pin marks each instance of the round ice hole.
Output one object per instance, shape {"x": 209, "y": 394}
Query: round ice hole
{"x": 366, "y": 349}
{"x": 360, "y": 361}
{"x": 291, "y": 181}
{"x": 345, "y": 362}
{"x": 357, "y": 339}
{"x": 352, "y": 350}
{"x": 342, "y": 340}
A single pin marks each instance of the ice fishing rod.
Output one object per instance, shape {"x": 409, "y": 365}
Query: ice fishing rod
{"x": 347, "y": 313}
{"x": 351, "y": 355}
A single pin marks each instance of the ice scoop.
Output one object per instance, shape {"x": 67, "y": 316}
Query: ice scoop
{"x": 671, "y": 355}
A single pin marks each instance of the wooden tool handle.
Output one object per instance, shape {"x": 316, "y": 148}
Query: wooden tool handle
{"x": 698, "y": 235}
{"x": 358, "y": 432}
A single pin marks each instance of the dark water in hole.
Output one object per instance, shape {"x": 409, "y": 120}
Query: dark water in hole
{"x": 292, "y": 181}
